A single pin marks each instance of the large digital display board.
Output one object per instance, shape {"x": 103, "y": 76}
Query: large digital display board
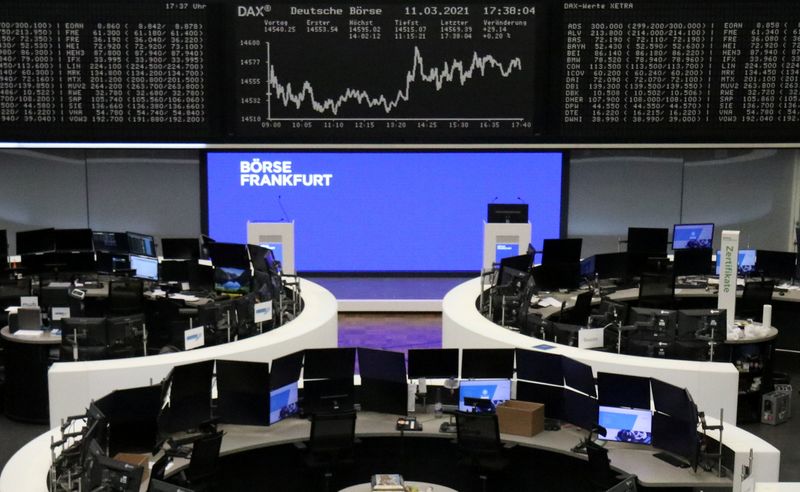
{"x": 381, "y": 211}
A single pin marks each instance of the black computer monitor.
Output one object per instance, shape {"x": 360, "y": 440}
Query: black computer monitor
{"x": 325, "y": 395}
{"x": 692, "y": 236}
{"x": 746, "y": 262}
{"x": 379, "y": 395}
{"x": 3, "y": 245}
{"x": 109, "y": 474}
{"x": 580, "y": 409}
{"x": 286, "y": 370}
{"x": 605, "y": 265}
{"x": 492, "y": 391}
{"x": 90, "y": 332}
{"x": 125, "y": 330}
{"x": 432, "y": 363}
{"x": 672, "y": 400}
{"x": 561, "y": 251}
{"x": 698, "y": 324}
{"x": 693, "y": 261}
{"x": 776, "y": 264}
{"x": 112, "y": 262}
{"x": 144, "y": 267}
{"x": 201, "y": 277}
{"x": 623, "y": 390}
{"x": 514, "y": 267}
{"x": 174, "y": 271}
{"x": 631, "y": 425}
{"x": 283, "y": 402}
{"x": 487, "y": 363}
{"x": 243, "y": 395}
{"x": 644, "y": 243}
{"x": 179, "y": 248}
{"x": 578, "y": 376}
{"x": 513, "y": 213}
{"x": 231, "y": 280}
{"x": 231, "y": 255}
{"x": 131, "y": 415}
{"x": 551, "y": 396}
{"x": 382, "y": 365}
{"x": 110, "y": 242}
{"x": 36, "y": 241}
{"x": 141, "y": 244}
{"x": 74, "y": 240}
{"x": 541, "y": 367}
{"x": 189, "y": 397}
{"x": 654, "y": 324}
{"x": 329, "y": 363}
{"x": 677, "y": 436}
{"x": 258, "y": 257}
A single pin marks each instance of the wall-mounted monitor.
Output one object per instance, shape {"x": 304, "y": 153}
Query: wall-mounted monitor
{"x": 692, "y": 236}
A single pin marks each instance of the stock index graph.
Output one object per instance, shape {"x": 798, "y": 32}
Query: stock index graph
{"x": 387, "y": 72}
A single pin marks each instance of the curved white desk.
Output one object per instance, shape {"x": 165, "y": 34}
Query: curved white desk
{"x": 73, "y": 385}
{"x": 713, "y": 385}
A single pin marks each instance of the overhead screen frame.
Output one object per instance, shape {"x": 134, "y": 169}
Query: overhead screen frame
{"x": 388, "y": 148}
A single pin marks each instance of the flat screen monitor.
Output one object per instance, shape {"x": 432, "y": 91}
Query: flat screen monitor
{"x": 631, "y": 425}
{"x": 326, "y": 395}
{"x": 3, "y": 245}
{"x": 487, "y": 363}
{"x": 561, "y": 251}
{"x": 90, "y": 332}
{"x": 379, "y": 395}
{"x": 551, "y": 396}
{"x": 623, "y": 390}
{"x": 258, "y": 257}
{"x": 605, "y": 265}
{"x": 694, "y": 261}
{"x": 580, "y": 409}
{"x": 36, "y": 241}
{"x": 382, "y": 365}
{"x": 74, "y": 240}
{"x": 676, "y": 436}
{"x": 644, "y": 243}
{"x": 110, "y": 242}
{"x": 123, "y": 330}
{"x": 776, "y": 264}
{"x": 286, "y": 370}
{"x": 505, "y": 250}
{"x": 495, "y": 391}
{"x": 283, "y": 402}
{"x": 514, "y": 267}
{"x": 229, "y": 255}
{"x": 540, "y": 367}
{"x": 578, "y": 376}
{"x": 145, "y": 267}
{"x": 512, "y": 213}
{"x": 111, "y": 262}
{"x": 329, "y": 363}
{"x": 232, "y": 280}
{"x": 671, "y": 400}
{"x": 700, "y": 323}
{"x": 692, "y": 236}
{"x": 175, "y": 270}
{"x": 432, "y": 363}
{"x": 141, "y": 244}
{"x": 180, "y": 248}
{"x": 652, "y": 323}
{"x": 243, "y": 395}
{"x": 746, "y": 262}
{"x": 189, "y": 396}
{"x": 109, "y": 474}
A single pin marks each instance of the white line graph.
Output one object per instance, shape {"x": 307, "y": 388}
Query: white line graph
{"x": 454, "y": 71}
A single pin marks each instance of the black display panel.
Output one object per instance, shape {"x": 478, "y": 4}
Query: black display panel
{"x": 432, "y": 363}
{"x": 104, "y": 70}
{"x": 333, "y": 363}
{"x": 387, "y": 71}
{"x": 689, "y": 71}
{"x": 623, "y": 390}
{"x": 541, "y": 367}
{"x": 487, "y": 363}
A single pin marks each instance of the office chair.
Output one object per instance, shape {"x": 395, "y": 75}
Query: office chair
{"x": 755, "y": 295}
{"x": 579, "y": 313}
{"x": 331, "y": 443}
{"x": 657, "y": 290}
{"x": 478, "y": 440}
{"x": 125, "y": 296}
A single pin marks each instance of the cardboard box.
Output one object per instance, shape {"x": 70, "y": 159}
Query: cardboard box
{"x": 521, "y": 418}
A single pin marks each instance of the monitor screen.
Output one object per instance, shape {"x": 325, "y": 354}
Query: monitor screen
{"x": 541, "y": 367}
{"x": 676, "y": 436}
{"x": 578, "y": 376}
{"x": 694, "y": 261}
{"x": 746, "y": 261}
{"x": 285, "y": 370}
{"x": 283, "y": 402}
{"x": 382, "y": 365}
{"x": 512, "y": 213}
{"x": 623, "y": 390}
{"x": 551, "y": 396}
{"x": 487, "y": 363}
{"x": 175, "y": 271}
{"x": 37, "y": 241}
{"x": 692, "y": 236}
{"x": 180, "y": 248}
{"x": 442, "y": 196}
{"x": 145, "y": 267}
{"x": 74, "y": 240}
{"x": 626, "y": 424}
{"x": 432, "y": 363}
{"x": 561, "y": 251}
{"x": 141, "y": 244}
{"x": 494, "y": 390}
{"x": 232, "y": 280}
{"x": 110, "y": 242}
{"x": 233, "y": 255}
{"x": 329, "y": 363}
{"x": 775, "y": 264}
{"x": 644, "y": 243}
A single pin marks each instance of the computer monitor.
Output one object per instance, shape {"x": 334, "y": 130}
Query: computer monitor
{"x": 513, "y": 213}
{"x": 605, "y": 265}
{"x": 698, "y": 324}
{"x": 174, "y": 271}
{"x": 258, "y": 257}
{"x": 145, "y": 267}
{"x": 329, "y": 363}
{"x": 644, "y": 243}
{"x": 141, "y": 244}
{"x": 90, "y": 332}
{"x": 623, "y": 390}
{"x": 232, "y": 280}
{"x": 125, "y": 330}
{"x": 432, "y": 363}
{"x": 692, "y": 261}
{"x": 551, "y": 396}
{"x": 514, "y": 267}
{"x": 580, "y": 409}
{"x": 325, "y": 395}
{"x": 632, "y": 425}
{"x": 677, "y": 436}
{"x": 230, "y": 255}
{"x": 382, "y": 365}
{"x": 380, "y": 395}
{"x": 776, "y": 264}
{"x": 487, "y": 363}
{"x": 692, "y": 236}
{"x": 180, "y": 248}
{"x": 285, "y": 370}
{"x": 112, "y": 262}
{"x": 111, "y": 242}
{"x": 654, "y": 324}
{"x": 671, "y": 400}
{"x": 3, "y": 245}
{"x": 243, "y": 395}
{"x": 561, "y": 251}
{"x": 109, "y": 474}
{"x": 541, "y": 367}
{"x": 495, "y": 391}
{"x": 746, "y": 262}
{"x": 578, "y": 376}
{"x": 283, "y": 402}
{"x": 74, "y": 240}
{"x": 36, "y": 241}
{"x": 189, "y": 397}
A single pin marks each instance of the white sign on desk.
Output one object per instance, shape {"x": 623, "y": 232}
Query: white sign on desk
{"x": 728, "y": 271}
{"x": 193, "y": 338}
{"x": 59, "y": 312}
{"x": 29, "y": 301}
{"x": 262, "y": 311}
{"x": 589, "y": 338}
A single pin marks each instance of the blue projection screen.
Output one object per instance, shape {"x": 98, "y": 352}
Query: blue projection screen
{"x": 381, "y": 211}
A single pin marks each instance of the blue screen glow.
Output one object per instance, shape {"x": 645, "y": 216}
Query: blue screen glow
{"x": 692, "y": 236}
{"x": 626, "y": 424}
{"x": 496, "y": 390}
{"x": 381, "y": 211}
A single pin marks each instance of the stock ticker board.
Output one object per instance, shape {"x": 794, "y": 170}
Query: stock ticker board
{"x": 474, "y": 72}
